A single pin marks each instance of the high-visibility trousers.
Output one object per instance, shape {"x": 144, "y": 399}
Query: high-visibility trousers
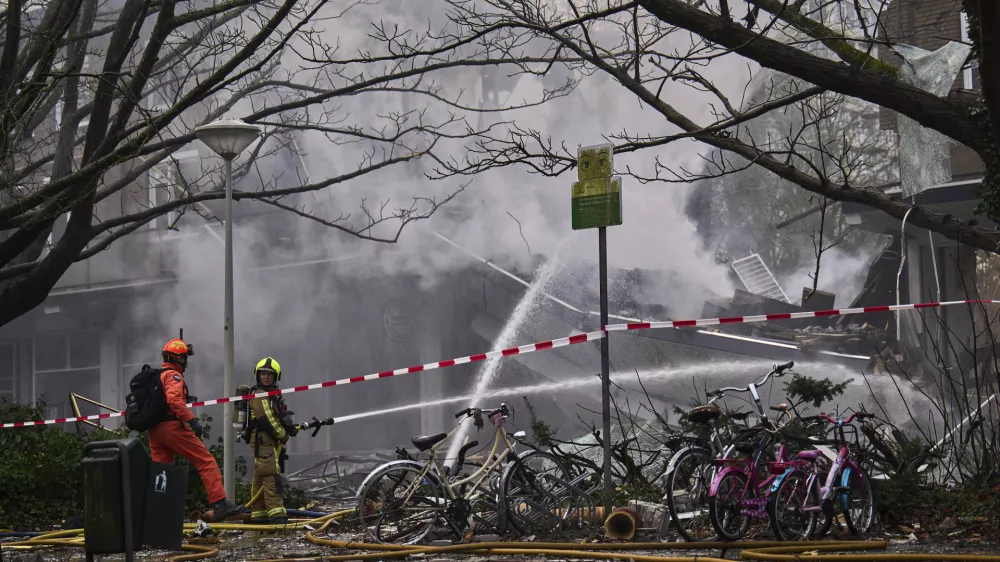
{"x": 266, "y": 475}
{"x": 171, "y": 437}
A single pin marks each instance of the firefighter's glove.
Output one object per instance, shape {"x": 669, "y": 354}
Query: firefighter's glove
{"x": 288, "y": 423}
{"x": 195, "y": 425}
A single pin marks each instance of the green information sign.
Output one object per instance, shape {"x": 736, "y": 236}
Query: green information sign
{"x": 597, "y": 202}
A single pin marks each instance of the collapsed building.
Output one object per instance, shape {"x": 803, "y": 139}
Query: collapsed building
{"x": 334, "y": 312}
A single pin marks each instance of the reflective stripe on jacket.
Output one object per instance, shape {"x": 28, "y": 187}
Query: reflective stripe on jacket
{"x": 263, "y": 409}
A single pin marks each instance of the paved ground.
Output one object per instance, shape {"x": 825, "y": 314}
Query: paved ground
{"x": 254, "y": 546}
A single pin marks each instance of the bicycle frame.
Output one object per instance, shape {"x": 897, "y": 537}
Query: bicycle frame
{"x": 842, "y": 466}
{"x": 478, "y": 477}
{"x": 751, "y": 507}
{"x": 715, "y": 446}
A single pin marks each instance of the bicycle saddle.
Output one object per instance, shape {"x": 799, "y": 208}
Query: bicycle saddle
{"x": 424, "y": 442}
{"x": 704, "y": 414}
{"x": 740, "y": 416}
{"x": 809, "y": 455}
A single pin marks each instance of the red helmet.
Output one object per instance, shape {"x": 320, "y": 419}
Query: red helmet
{"x": 177, "y": 351}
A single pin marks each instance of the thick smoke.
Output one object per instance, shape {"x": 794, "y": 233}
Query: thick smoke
{"x": 317, "y": 317}
{"x": 841, "y": 272}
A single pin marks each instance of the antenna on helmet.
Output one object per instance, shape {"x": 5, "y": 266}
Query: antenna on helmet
{"x": 182, "y": 334}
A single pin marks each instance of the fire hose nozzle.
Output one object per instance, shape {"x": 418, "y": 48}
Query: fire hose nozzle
{"x": 316, "y": 424}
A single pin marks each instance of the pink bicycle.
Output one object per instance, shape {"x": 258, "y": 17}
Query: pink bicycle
{"x": 797, "y": 499}
{"x": 737, "y": 493}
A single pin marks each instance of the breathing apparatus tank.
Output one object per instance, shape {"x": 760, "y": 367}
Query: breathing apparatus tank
{"x": 240, "y": 407}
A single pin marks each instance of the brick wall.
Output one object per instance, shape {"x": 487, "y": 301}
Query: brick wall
{"x": 927, "y": 24}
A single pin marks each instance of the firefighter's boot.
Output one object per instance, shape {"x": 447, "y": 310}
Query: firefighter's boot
{"x": 223, "y": 509}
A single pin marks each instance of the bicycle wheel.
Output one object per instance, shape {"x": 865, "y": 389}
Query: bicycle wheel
{"x": 856, "y": 500}
{"x": 398, "y": 505}
{"x": 687, "y": 482}
{"x": 486, "y": 515}
{"x": 824, "y": 522}
{"x": 784, "y": 508}
{"x": 529, "y": 502}
{"x": 725, "y": 509}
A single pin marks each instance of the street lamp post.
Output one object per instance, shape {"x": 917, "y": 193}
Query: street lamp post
{"x": 228, "y": 139}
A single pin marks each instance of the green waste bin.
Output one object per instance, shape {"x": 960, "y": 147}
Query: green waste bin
{"x": 114, "y": 480}
{"x": 166, "y": 495}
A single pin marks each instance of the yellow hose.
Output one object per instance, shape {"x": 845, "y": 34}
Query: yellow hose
{"x": 569, "y": 550}
{"x": 256, "y": 497}
{"x": 797, "y": 552}
{"x": 57, "y": 535}
{"x": 201, "y": 552}
{"x": 768, "y": 551}
{"x": 62, "y": 538}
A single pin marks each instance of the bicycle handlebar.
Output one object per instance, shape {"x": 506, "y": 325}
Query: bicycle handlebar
{"x": 777, "y": 371}
{"x": 489, "y": 412}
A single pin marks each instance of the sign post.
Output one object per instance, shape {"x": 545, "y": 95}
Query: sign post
{"x": 596, "y": 203}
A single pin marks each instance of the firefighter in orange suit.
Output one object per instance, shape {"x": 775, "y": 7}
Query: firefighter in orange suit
{"x": 181, "y": 432}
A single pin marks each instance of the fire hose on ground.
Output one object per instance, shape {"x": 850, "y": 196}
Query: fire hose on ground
{"x": 750, "y": 550}
{"x": 74, "y": 537}
{"x": 767, "y": 551}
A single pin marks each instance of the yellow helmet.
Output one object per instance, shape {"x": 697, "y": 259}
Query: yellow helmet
{"x": 268, "y": 364}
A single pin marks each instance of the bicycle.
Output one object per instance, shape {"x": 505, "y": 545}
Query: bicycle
{"x": 690, "y": 470}
{"x": 540, "y": 493}
{"x": 797, "y": 499}
{"x": 403, "y": 501}
{"x": 734, "y": 495}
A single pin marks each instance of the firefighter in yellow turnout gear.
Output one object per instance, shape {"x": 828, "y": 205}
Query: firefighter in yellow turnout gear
{"x": 267, "y": 432}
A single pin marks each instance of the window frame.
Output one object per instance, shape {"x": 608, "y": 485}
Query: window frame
{"x": 970, "y": 70}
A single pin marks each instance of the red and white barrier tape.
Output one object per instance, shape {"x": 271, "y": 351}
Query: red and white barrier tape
{"x": 784, "y": 316}
{"x": 551, "y": 344}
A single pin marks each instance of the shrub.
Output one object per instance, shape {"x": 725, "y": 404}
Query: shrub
{"x": 41, "y": 482}
{"x": 903, "y": 500}
{"x": 41, "y": 478}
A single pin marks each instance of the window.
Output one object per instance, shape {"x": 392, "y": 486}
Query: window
{"x": 7, "y": 372}
{"x": 160, "y": 185}
{"x": 970, "y": 74}
{"x": 85, "y": 350}
{"x": 167, "y": 181}
{"x": 139, "y": 346}
{"x": 67, "y": 351}
{"x": 52, "y": 352}
{"x": 66, "y": 362}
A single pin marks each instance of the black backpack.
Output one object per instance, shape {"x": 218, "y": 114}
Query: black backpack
{"x": 146, "y": 405}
